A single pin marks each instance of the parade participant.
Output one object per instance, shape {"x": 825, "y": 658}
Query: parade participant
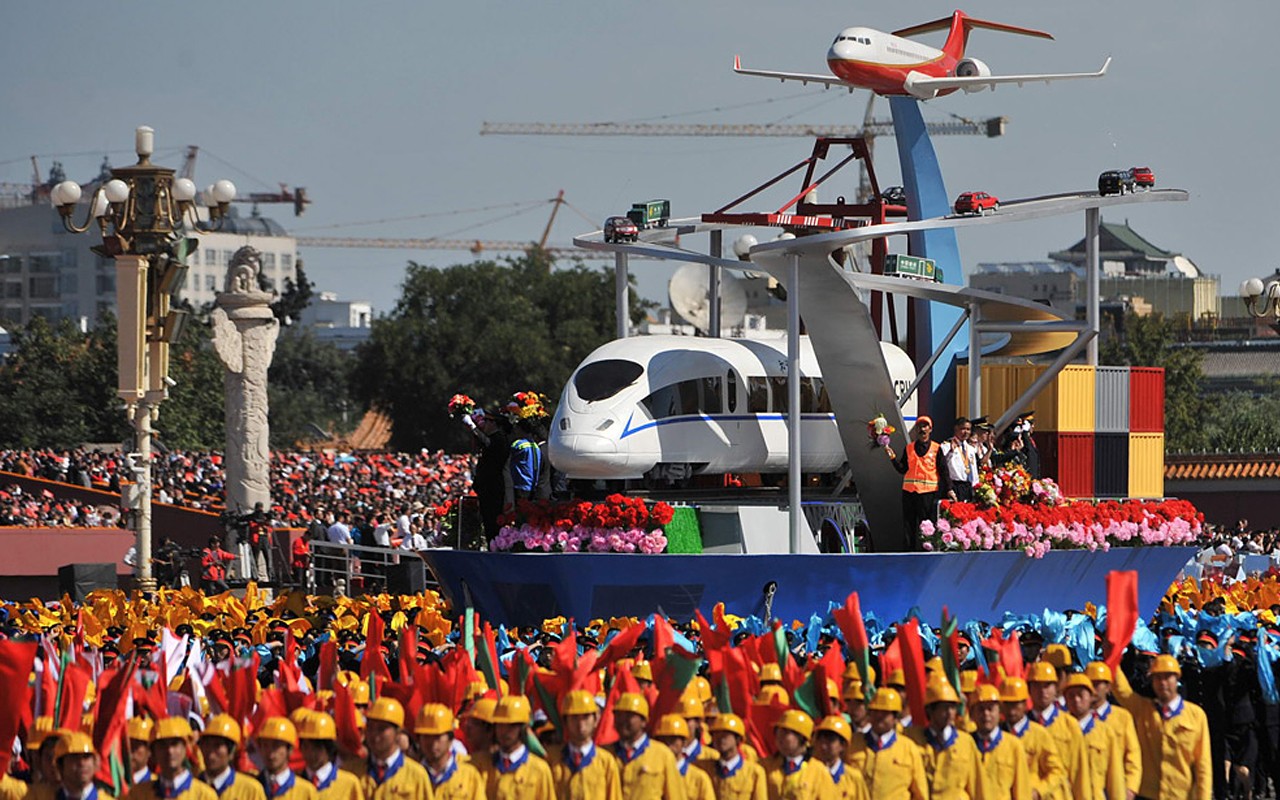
{"x": 477, "y": 729}
{"x": 173, "y": 781}
{"x": 1173, "y": 734}
{"x": 1048, "y": 774}
{"x": 218, "y": 744}
{"x": 1068, "y": 741}
{"x": 950, "y": 756}
{"x": 1003, "y": 760}
{"x": 526, "y": 462}
{"x": 647, "y": 771}
{"x": 77, "y": 763}
{"x": 41, "y": 743}
{"x": 1121, "y": 722}
{"x": 318, "y": 740}
{"x": 138, "y": 729}
{"x": 1102, "y": 750}
{"x": 519, "y": 774}
{"x": 790, "y": 773}
{"x": 961, "y": 458}
{"x": 830, "y": 742}
{"x": 673, "y": 731}
{"x": 733, "y": 776}
{"x": 451, "y": 778}
{"x": 890, "y": 764}
{"x": 389, "y": 773}
{"x": 581, "y": 770}
{"x": 691, "y": 709}
{"x": 213, "y": 566}
{"x": 491, "y": 479}
{"x": 923, "y": 482}
{"x": 276, "y": 738}
{"x": 642, "y": 671}
{"x": 855, "y": 707}
{"x": 771, "y": 688}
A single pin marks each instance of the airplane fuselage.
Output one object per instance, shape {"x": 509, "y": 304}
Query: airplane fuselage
{"x": 881, "y": 61}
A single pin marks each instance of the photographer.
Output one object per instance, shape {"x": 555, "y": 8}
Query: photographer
{"x": 257, "y": 527}
{"x": 213, "y": 569}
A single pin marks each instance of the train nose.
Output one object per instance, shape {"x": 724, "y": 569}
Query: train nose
{"x": 585, "y": 455}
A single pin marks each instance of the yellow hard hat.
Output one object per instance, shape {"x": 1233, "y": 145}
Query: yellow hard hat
{"x": 513, "y": 710}
{"x": 968, "y": 680}
{"x": 1042, "y": 672}
{"x": 1163, "y": 665}
{"x": 730, "y": 723}
{"x": 642, "y": 671}
{"x": 833, "y": 689}
{"x": 851, "y": 672}
{"x": 171, "y": 728}
{"x": 476, "y": 689}
{"x": 347, "y": 677}
{"x": 386, "y": 709}
{"x": 359, "y": 693}
{"x": 40, "y": 730}
{"x": 797, "y": 721}
{"x": 1078, "y": 679}
{"x": 278, "y": 729}
{"x": 1059, "y": 655}
{"x": 482, "y": 709}
{"x": 299, "y": 714}
{"x": 318, "y": 725}
{"x": 578, "y": 701}
{"x": 1013, "y": 690}
{"x": 73, "y": 743}
{"x": 853, "y": 691}
{"x": 700, "y": 688}
{"x": 1099, "y": 671}
{"x": 86, "y": 722}
{"x": 672, "y": 725}
{"x": 691, "y": 707}
{"x": 139, "y": 728}
{"x": 433, "y": 719}
{"x": 634, "y": 703}
{"x": 896, "y": 678}
{"x": 225, "y": 726}
{"x": 986, "y": 693}
{"x": 771, "y": 693}
{"x": 836, "y": 724}
{"x": 770, "y": 673}
{"x": 886, "y": 699}
{"x": 940, "y": 690}
{"x": 933, "y": 665}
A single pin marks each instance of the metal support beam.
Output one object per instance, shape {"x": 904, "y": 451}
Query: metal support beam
{"x": 621, "y": 293}
{"x": 928, "y": 365}
{"x": 975, "y": 363}
{"x": 1092, "y": 223}
{"x": 795, "y": 517}
{"x": 713, "y": 291}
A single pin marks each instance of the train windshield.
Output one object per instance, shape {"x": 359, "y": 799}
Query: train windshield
{"x": 603, "y": 379}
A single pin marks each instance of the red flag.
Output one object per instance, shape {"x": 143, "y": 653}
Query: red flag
{"x": 344, "y": 719}
{"x": 913, "y": 667}
{"x": 760, "y": 720}
{"x": 16, "y": 660}
{"x": 623, "y": 683}
{"x": 408, "y": 653}
{"x": 110, "y": 724}
{"x": 373, "y": 660}
{"x": 1122, "y": 613}
{"x": 620, "y": 646}
{"x": 75, "y": 684}
{"x": 328, "y": 665}
{"x": 890, "y": 660}
{"x": 713, "y": 637}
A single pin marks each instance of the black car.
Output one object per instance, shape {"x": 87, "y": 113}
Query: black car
{"x": 894, "y": 196}
{"x": 1115, "y": 181}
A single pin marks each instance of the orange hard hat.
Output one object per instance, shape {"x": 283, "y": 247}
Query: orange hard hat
{"x": 482, "y": 709}
{"x": 773, "y": 693}
{"x": 700, "y": 687}
{"x": 940, "y": 690}
{"x": 853, "y": 691}
{"x": 171, "y": 728}
{"x": 1099, "y": 671}
{"x": 642, "y": 671}
{"x": 41, "y": 729}
{"x": 1080, "y": 680}
{"x": 513, "y": 710}
{"x": 578, "y": 701}
{"x": 770, "y": 673}
{"x": 886, "y": 699}
{"x": 139, "y": 728}
{"x": 691, "y": 707}
{"x": 278, "y": 729}
{"x": 632, "y": 702}
{"x": 896, "y": 678}
{"x": 986, "y": 693}
{"x": 73, "y": 743}
{"x": 1059, "y": 655}
{"x": 730, "y": 723}
{"x": 1163, "y": 665}
{"x": 968, "y": 681}
{"x": 360, "y": 693}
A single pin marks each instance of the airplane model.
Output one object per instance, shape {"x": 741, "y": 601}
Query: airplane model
{"x": 890, "y": 64}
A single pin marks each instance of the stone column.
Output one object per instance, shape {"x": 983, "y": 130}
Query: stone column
{"x": 244, "y": 336}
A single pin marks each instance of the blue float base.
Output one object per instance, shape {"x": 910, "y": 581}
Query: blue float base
{"x": 526, "y": 588}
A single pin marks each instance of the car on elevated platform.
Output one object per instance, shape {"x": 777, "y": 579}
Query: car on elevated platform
{"x": 979, "y": 203}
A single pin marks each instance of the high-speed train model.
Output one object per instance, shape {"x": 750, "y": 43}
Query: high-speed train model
{"x": 667, "y": 407}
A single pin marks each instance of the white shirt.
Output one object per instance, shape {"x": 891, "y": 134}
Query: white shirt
{"x": 339, "y": 533}
{"x": 219, "y": 781}
{"x": 321, "y": 775}
{"x": 278, "y": 779}
{"x": 382, "y": 535}
{"x": 414, "y": 541}
{"x": 962, "y": 461}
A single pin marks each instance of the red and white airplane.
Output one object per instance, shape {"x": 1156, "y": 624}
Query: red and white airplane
{"x": 890, "y": 64}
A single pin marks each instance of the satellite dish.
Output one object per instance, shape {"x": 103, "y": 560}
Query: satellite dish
{"x": 690, "y": 295}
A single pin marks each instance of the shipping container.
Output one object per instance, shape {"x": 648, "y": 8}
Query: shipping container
{"x": 998, "y": 390}
{"x": 1146, "y": 465}
{"x": 1111, "y": 465}
{"x": 1111, "y": 414}
{"x": 1146, "y": 399}
{"x": 1066, "y": 404}
{"x": 1067, "y": 458}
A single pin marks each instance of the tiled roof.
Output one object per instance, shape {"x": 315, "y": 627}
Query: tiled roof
{"x": 1248, "y": 363}
{"x": 1220, "y": 467}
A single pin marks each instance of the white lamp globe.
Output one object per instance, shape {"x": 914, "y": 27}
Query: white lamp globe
{"x": 184, "y": 190}
{"x": 743, "y": 244}
{"x": 65, "y": 193}
{"x": 224, "y": 191}
{"x": 117, "y": 191}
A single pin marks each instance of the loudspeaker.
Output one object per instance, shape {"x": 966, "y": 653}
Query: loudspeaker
{"x": 77, "y": 580}
{"x": 407, "y": 577}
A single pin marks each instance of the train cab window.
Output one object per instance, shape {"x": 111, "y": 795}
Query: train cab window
{"x": 688, "y": 391}
{"x": 731, "y": 391}
{"x": 757, "y": 395}
{"x": 779, "y": 387}
{"x": 603, "y": 379}
{"x": 807, "y": 396}
{"x": 711, "y": 402}
{"x": 824, "y": 399}
{"x": 672, "y": 401}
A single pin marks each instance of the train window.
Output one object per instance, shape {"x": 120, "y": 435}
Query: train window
{"x": 757, "y": 395}
{"x": 779, "y": 386}
{"x": 663, "y": 403}
{"x": 688, "y": 397}
{"x": 603, "y": 379}
{"x": 731, "y": 391}
{"x": 806, "y": 396}
{"x": 824, "y": 399}
{"x": 711, "y": 402}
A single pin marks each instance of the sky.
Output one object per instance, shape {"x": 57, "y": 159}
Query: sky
{"x": 376, "y": 109}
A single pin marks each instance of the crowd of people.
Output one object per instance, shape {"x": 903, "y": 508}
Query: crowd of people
{"x": 22, "y": 508}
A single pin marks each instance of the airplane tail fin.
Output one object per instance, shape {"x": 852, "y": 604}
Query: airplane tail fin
{"x": 959, "y": 24}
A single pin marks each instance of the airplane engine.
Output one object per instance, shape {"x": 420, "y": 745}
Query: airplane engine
{"x": 972, "y": 68}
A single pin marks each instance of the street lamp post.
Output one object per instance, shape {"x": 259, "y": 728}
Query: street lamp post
{"x": 143, "y": 214}
{"x": 1262, "y": 299}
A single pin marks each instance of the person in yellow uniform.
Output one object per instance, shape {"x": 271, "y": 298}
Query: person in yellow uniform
{"x": 318, "y": 740}
{"x": 1173, "y": 734}
{"x": 890, "y": 764}
{"x": 518, "y": 774}
{"x": 855, "y": 707}
{"x": 170, "y": 739}
{"x": 218, "y": 744}
{"x": 77, "y": 763}
{"x": 830, "y": 741}
{"x": 733, "y": 775}
{"x": 451, "y": 778}
{"x": 12, "y": 788}
{"x": 581, "y": 770}
{"x": 389, "y": 773}
{"x": 1048, "y": 775}
{"x": 790, "y": 773}
{"x": 691, "y": 709}
{"x": 138, "y": 729}
{"x": 1102, "y": 750}
{"x": 41, "y": 743}
{"x": 673, "y": 731}
{"x": 276, "y": 738}
{"x": 1042, "y": 687}
{"x": 642, "y": 671}
{"x": 968, "y": 687}
{"x": 771, "y": 688}
{"x": 1121, "y": 723}
{"x": 1003, "y": 759}
{"x": 647, "y": 772}
{"x": 477, "y": 728}
{"x": 950, "y": 756}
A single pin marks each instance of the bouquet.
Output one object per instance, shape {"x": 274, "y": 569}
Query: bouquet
{"x": 461, "y": 406}
{"x": 878, "y": 431}
{"x": 618, "y": 525}
{"x": 527, "y": 405}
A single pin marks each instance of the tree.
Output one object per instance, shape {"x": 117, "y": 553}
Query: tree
{"x": 483, "y": 329}
{"x": 43, "y": 400}
{"x": 192, "y": 418}
{"x": 309, "y": 384}
{"x": 1148, "y": 341}
{"x": 295, "y": 297}
{"x": 1240, "y": 422}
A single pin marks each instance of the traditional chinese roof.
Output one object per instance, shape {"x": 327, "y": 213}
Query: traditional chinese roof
{"x": 1222, "y": 466}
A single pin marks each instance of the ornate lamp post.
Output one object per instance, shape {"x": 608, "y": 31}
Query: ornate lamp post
{"x": 143, "y": 214}
{"x": 1262, "y": 300}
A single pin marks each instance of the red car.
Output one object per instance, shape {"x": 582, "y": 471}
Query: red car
{"x": 620, "y": 229}
{"x": 1143, "y": 176}
{"x": 976, "y": 203}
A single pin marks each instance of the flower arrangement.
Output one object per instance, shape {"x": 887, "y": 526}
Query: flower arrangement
{"x": 1013, "y": 484}
{"x": 618, "y": 525}
{"x": 526, "y": 405}
{"x": 461, "y": 406}
{"x": 879, "y": 430}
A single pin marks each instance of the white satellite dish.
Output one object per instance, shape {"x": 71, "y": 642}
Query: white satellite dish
{"x": 690, "y": 295}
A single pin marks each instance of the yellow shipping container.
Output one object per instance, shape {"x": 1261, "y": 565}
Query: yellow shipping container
{"x": 1146, "y": 465}
{"x": 998, "y": 390}
{"x": 1066, "y": 405}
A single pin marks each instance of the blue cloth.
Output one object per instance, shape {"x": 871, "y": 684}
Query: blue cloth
{"x": 526, "y": 464}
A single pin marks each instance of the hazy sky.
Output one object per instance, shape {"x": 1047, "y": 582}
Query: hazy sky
{"x": 376, "y": 108}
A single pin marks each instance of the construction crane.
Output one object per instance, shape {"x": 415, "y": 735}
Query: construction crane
{"x": 297, "y": 196}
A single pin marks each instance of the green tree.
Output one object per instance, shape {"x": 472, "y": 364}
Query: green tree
{"x": 295, "y": 297}
{"x": 1241, "y": 422}
{"x": 192, "y": 418}
{"x": 42, "y": 406}
{"x": 483, "y": 329}
{"x": 309, "y": 384}
{"x": 1148, "y": 341}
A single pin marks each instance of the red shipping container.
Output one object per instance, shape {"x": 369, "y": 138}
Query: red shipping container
{"x": 1067, "y": 458}
{"x": 1146, "y": 399}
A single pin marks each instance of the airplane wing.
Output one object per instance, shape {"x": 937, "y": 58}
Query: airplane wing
{"x": 916, "y": 82}
{"x": 805, "y": 78}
